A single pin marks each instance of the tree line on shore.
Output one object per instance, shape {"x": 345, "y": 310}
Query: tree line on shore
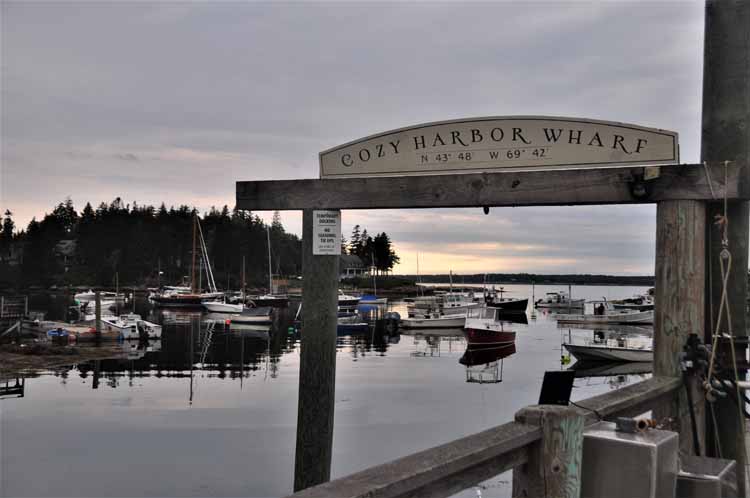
{"x": 141, "y": 245}
{"x": 136, "y": 245}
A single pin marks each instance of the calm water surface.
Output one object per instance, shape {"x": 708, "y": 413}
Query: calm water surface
{"x": 209, "y": 411}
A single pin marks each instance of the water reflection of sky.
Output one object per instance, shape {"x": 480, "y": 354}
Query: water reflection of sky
{"x": 139, "y": 433}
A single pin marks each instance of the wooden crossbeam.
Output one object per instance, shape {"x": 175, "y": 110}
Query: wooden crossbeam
{"x": 509, "y": 188}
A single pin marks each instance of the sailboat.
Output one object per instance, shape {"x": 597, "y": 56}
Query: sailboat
{"x": 271, "y": 299}
{"x": 194, "y": 298}
{"x": 373, "y": 299}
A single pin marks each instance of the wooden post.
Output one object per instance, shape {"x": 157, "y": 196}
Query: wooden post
{"x": 679, "y": 308}
{"x": 554, "y": 466}
{"x": 98, "y": 311}
{"x": 317, "y": 373}
{"x": 725, "y": 137}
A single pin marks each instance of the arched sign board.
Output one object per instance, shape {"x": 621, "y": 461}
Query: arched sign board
{"x": 500, "y": 143}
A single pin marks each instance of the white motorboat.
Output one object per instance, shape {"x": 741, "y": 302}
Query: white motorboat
{"x": 223, "y": 307}
{"x": 610, "y": 352}
{"x": 559, "y": 300}
{"x": 640, "y": 303}
{"x": 253, "y": 316}
{"x": 131, "y": 326}
{"x": 434, "y": 320}
{"x": 609, "y": 316}
{"x": 347, "y": 300}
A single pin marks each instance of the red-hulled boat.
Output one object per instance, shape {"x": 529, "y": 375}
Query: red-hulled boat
{"x": 484, "y": 331}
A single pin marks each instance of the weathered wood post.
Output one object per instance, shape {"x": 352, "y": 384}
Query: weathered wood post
{"x": 679, "y": 305}
{"x": 317, "y": 371}
{"x": 98, "y": 314}
{"x": 726, "y": 137}
{"x": 554, "y": 466}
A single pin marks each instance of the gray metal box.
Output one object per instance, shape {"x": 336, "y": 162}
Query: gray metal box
{"x": 628, "y": 465}
{"x": 702, "y": 477}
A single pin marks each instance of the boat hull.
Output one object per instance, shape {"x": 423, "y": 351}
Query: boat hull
{"x": 607, "y": 353}
{"x": 483, "y": 337}
{"x": 510, "y": 305}
{"x": 431, "y": 323}
{"x": 218, "y": 307}
{"x": 617, "y": 318}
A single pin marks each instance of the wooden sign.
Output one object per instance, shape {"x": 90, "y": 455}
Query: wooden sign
{"x": 500, "y": 143}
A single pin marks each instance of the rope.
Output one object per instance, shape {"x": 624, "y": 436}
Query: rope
{"x": 725, "y": 265}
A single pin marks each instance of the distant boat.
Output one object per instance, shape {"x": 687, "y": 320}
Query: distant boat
{"x": 253, "y": 316}
{"x": 347, "y": 300}
{"x": 640, "y": 303}
{"x": 434, "y": 320}
{"x": 492, "y": 300}
{"x": 487, "y": 332}
{"x": 557, "y": 300}
{"x": 604, "y": 314}
{"x": 222, "y": 307}
{"x": 130, "y": 326}
{"x": 371, "y": 299}
{"x": 610, "y": 352}
{"x": 191, "y": 297}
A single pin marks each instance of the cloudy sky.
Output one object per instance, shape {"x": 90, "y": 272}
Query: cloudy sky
{"x": 175, "y": 102}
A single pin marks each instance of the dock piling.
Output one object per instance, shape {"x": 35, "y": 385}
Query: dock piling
{"x": 317, "y": 371}
{"x": 554, "y": 466}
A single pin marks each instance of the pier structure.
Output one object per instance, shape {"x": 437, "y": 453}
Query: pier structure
{"x": 543, "y": 444}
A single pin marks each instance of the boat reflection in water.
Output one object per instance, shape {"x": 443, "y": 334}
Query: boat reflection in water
{"x": 484, "y": 364}
{"x": 429, "y": 342}
{"x": 614, "y": 374}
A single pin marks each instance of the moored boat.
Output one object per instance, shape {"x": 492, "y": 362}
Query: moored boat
{"x": 609, "y": 316}
{"x": 487, "y": 332}
{"x": 253, "y": 316}
{"x": 610, "y": 352}
{"x": 559, "y": 300}
{"x": 435, "y": 320}
{"x": 223, "y": 307}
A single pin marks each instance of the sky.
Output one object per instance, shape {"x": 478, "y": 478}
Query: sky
{"x": 176, "y": 101}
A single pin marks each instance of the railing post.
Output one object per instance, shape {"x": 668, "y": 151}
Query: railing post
{"x": 317, "y": 371}
{"x": 725, "y": 137}
{"x": 554, "y": 466}
{"x": 679, "y": 308}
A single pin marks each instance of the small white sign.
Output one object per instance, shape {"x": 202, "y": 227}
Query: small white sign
{"x": 327, "y": 232}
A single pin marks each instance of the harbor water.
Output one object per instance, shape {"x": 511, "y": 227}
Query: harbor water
{"x": 211, "y": 410}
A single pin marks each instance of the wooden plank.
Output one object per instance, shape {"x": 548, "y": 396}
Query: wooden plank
{"x": 439, "y": 471}
{"x": 630, "y": 400}
{"x": 317, "y": 371}
{"x": 527, "y": 188}
{"x": 554, "y": 466}
{"x": 679, "y": 310}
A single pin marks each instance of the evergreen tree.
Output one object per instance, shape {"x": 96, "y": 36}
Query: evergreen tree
{"x": 355, "y": 241}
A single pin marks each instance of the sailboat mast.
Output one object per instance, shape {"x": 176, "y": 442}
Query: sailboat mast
{"x": 270, "y": 279}
{"x": 192, "y": 267}
{"x": 243, "y": 279}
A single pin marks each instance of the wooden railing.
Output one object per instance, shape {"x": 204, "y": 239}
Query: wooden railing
{"x": 452, "y": 467}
